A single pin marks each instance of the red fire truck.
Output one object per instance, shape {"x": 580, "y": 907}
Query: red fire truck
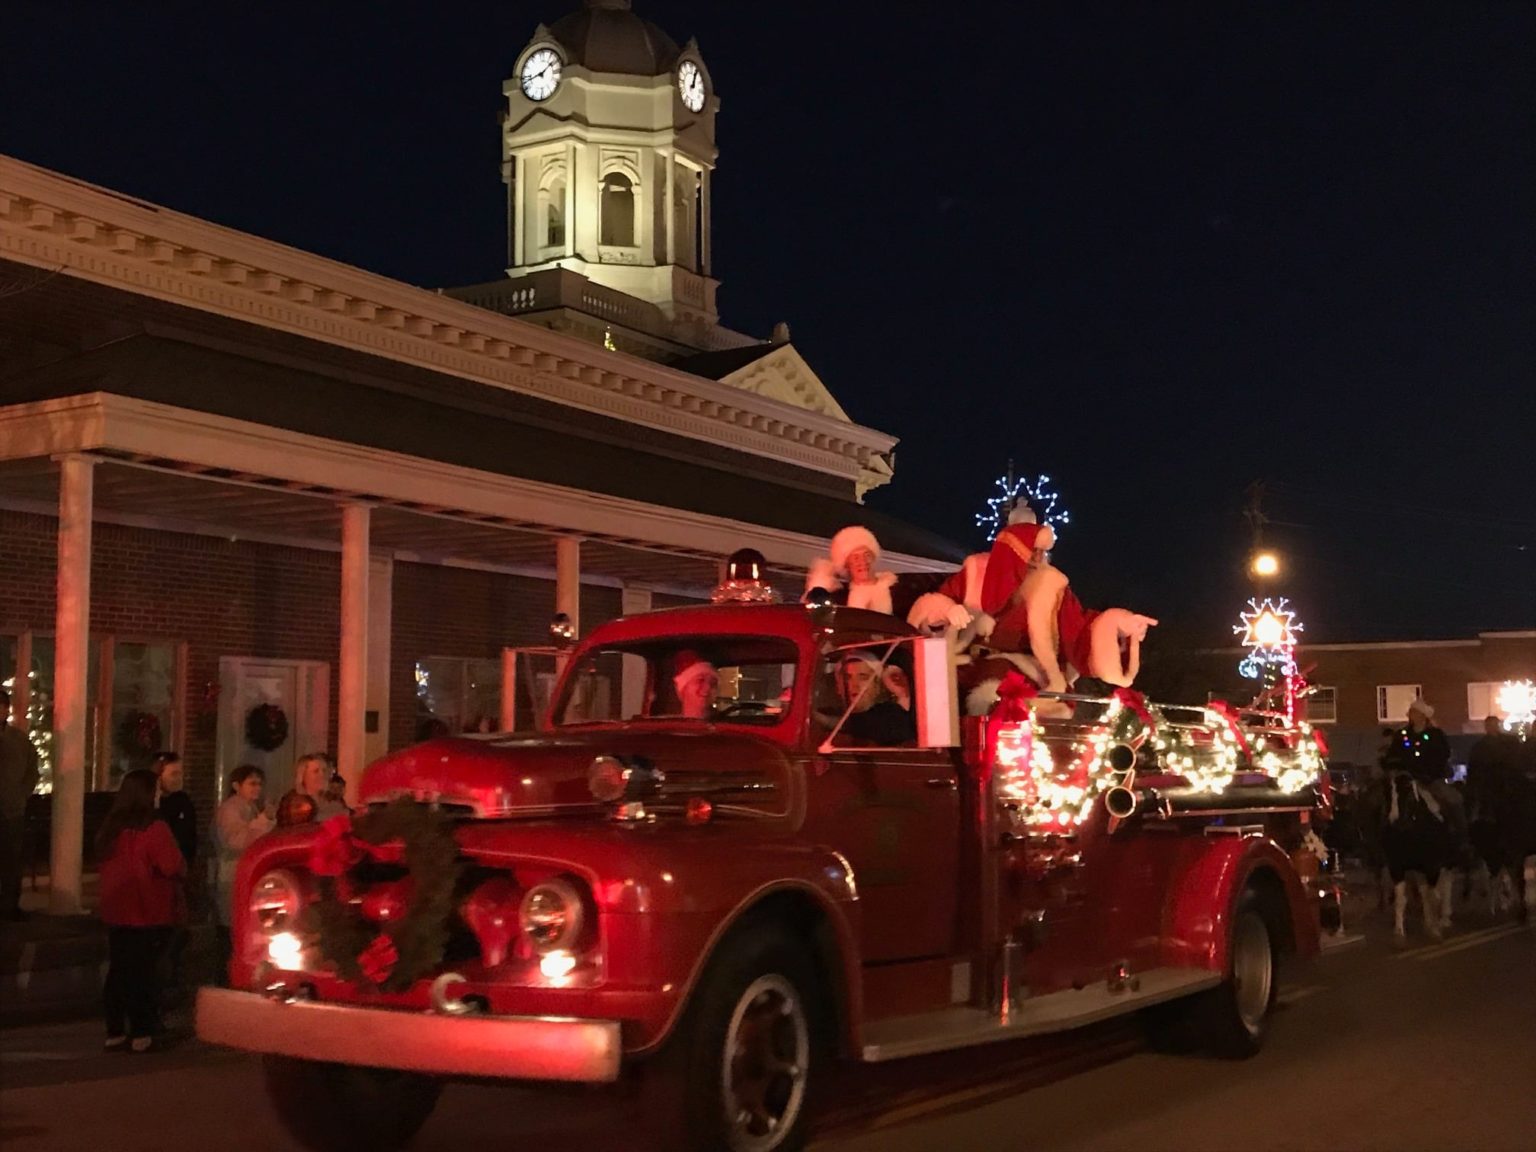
{"x": 828, "y": 862}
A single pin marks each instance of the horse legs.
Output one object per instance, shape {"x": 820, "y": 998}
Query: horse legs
{"x": 1441, "y": 905}
{"x": 1399, "y": 906}
{"x": 1432, "y": 896}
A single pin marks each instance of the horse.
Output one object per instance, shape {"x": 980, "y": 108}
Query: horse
{"x": 1416, "y": 840}
{"x": 1504, "y": 834}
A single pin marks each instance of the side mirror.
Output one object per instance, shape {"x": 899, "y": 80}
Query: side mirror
{"x": 935, "y": 695}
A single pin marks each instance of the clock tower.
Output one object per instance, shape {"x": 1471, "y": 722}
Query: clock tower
{"x": 608, "y": 145}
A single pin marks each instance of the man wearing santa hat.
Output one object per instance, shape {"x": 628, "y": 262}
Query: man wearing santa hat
{"x": 849, "y": 572}
{"x": 696, "y": 683}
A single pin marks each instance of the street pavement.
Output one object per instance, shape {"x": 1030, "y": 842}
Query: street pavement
{"x": 1429, "y": 1047}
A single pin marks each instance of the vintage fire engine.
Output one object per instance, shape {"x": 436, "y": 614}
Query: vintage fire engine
{"x": 707, "y": 909}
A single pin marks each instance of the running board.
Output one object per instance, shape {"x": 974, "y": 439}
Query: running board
{"x": 952, "y": 1028}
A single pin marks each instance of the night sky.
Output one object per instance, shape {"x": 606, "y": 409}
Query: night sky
{"x": 1157, "y": 252}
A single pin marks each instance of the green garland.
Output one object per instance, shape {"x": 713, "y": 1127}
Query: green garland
{"x": 394, "y": 954}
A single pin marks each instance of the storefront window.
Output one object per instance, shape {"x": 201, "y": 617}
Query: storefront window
{"x": 454, "y": 694}
{"x": 142, "y": 706}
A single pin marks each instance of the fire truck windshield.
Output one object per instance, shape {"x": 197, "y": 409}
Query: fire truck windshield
{"x": 707, "y": 678}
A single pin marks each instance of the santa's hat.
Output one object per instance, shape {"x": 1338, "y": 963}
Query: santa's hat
{"x": 1423, "y": 707}
{"x": 1021, "y": 513}
{"x": 850, "y": 540}
{"x": 689, "y": 666}
{"x": 1011, "y": 553}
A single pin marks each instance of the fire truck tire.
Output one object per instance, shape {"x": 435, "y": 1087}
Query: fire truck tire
{"x": 336, "y": 1107}
{"x": 738, "y": 1074}
{"x": 1233, "y": 1018}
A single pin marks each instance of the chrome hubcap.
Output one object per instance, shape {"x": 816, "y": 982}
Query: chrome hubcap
{"x": 767, "y": 1045}
{"x": 1252, "y": 970}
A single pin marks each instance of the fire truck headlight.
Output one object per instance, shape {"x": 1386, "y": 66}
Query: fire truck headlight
{"x": 551, "y": 915}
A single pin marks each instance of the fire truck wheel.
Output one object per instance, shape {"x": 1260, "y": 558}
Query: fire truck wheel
{"x": 1235, "y": 1016}
{"x": 336, "y": 1107}
{"x": 740, "y": 1067}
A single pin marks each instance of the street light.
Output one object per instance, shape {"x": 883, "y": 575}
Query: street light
{"x": 1265, "y": 564}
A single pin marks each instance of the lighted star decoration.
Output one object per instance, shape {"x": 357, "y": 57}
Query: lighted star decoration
{"x": 1517, "y": 704}
{"x": 1268, "y": 630}
{"x": 1038, "y": 493}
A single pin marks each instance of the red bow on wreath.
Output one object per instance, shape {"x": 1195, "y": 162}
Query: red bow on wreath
{"x": 378, "y": 959}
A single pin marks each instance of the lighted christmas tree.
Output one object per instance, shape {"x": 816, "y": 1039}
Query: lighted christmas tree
{"x": 1037, "y": 494}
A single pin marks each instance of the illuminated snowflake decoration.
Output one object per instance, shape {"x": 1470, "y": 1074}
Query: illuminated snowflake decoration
{"x": 1268, "y": 630}
{"x": 1037, "y": 493}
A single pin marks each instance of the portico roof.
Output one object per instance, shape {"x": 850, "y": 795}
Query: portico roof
{"x": 177, "y": 470}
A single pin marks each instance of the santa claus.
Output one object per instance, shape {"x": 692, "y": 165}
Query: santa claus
{"x": 848, "y": 572}
{"x": 1033, "y": 620}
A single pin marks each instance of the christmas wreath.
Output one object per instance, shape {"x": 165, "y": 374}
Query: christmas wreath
{"x": 387, "y": 880}
{"x": 266, "y": 727}
{"x": 138, "y": 735}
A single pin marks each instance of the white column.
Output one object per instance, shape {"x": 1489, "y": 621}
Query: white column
{"x": 71, "y": 659}
{"x": 704, "y": 264}
{"x": 568, "y": 579}
{"x": 671, "y": 221}
{"x": 572, "y": 159}
{"x": 381, "y": 579}
{"x": 352, "y": 705}
{"x": 568, "y": 585}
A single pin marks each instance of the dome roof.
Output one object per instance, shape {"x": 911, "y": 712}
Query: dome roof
{"x": 606, "y": 36}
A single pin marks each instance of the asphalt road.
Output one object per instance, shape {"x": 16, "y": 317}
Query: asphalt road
{"x": 1433, "y": 1047}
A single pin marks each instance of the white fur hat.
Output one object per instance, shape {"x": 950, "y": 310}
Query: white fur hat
{"x": 1022, "y": 513}
{"x": 691, "y": 666}
{"x": 850, "y": 540}
{"x": 1423, "y": 707}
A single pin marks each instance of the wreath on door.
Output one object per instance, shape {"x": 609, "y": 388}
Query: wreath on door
{"x": 266, "y": 727}
{"x": 138, "y": 736}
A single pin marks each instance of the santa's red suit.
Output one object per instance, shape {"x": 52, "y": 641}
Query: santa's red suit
{"x": 1041, "y": 624}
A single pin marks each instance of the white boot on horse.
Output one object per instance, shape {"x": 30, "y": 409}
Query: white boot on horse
{"x": 1415, "y": 840}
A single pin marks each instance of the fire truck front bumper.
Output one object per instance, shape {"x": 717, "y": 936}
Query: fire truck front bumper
{"x": 502, "y": 1047}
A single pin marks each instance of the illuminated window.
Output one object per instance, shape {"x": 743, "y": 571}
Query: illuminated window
{"x": 1392, "y": 701}
{"x": 1322, "y": 707}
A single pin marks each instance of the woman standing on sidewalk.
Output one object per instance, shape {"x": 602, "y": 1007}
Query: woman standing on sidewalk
{"x": 176, "y": 810}
{"x": 141, "y": 871}
{"x": 239, "y": 821}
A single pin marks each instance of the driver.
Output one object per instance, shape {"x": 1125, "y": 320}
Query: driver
{"x": 697, "y": 683}
{"x": 874, "y": 719}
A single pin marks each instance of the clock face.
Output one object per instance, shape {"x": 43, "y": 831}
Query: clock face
{"x": 690, "y": 83}
{"x": 541, "y": 74}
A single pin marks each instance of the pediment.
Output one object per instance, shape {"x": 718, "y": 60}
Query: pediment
{"x": 784, "y": 375}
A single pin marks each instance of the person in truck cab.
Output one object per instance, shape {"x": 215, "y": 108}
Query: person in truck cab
{"x": 696, "y": 683}
{"x": 875, "y": 719}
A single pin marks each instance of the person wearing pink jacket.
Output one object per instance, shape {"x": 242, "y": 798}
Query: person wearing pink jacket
{"x": 141, "y": 902}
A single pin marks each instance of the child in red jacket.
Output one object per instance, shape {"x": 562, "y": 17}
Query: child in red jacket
{"x": 141, "y": 870}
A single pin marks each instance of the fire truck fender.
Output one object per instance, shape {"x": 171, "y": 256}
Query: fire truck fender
{"x": 816, "y": 909}
{"x": 1206, "y": 896}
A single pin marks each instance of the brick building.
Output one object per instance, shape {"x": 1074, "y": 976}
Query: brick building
{"x": 233, "y": 474}
{"x": 1361, "y": 688}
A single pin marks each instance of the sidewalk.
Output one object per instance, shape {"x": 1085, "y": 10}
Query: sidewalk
{"x": 52, "y": 967}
